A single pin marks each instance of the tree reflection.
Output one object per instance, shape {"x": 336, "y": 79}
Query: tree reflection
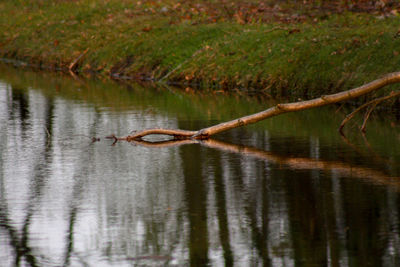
{"x": 20, "y": 107}
{"x": 196, "y": 191}
{"x": 222, "y": 214}
{"x": 318, "y": 229}
{"x": 20, "y": 241}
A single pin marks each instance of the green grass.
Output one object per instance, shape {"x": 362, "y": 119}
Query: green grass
{"x": 303, "y": 59}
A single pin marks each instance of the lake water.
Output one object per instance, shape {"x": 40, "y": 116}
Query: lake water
{"x": 289, "y": 191}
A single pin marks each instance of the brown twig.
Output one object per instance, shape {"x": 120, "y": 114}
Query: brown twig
{"x": 372, "y": 107}
{"x": 276, "y": 28}
{"x": 181, "y": 64}
{"x": 74, "y": 63}
{"x": 116, "y": 139}
{"x": 366, "y": 116}
{"x": 373, "y": 102}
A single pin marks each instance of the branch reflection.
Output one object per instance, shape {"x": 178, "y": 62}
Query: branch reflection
{"x": 296, "y": 163}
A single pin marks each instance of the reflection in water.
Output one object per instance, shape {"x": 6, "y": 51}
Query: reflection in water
{"x": 264, "y": 197}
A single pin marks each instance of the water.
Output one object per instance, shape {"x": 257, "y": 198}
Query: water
{"x": 289, "y": 191}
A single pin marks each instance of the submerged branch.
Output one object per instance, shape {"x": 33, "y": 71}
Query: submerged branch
{"x": 205, "y": 133}
{"x": 373, "y": 103}
{"x": 377, "y": 102}
{"x": 164, "y": 144}
{"x": 177, "y": 134}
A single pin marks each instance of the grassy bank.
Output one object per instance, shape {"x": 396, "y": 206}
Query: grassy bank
{"x": 197, "y": 44}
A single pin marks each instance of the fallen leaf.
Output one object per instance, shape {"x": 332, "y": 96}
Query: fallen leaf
{"x": 294, "y": 31}
{"x": 147, "y": 29}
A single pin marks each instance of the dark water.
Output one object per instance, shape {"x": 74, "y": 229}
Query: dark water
{"x": 285, "y": 192}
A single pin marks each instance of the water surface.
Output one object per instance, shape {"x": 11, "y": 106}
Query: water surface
{"x": 289, "y": 191}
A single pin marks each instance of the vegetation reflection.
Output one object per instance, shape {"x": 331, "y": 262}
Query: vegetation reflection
{"x": 267, "y": 196}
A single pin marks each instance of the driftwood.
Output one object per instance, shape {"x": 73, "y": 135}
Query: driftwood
{"x": 278, "y": 109}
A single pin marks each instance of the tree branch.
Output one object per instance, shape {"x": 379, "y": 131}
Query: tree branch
{"x": 74, "y": 63}
{"x": 377, "y": 102}
{"x": 374, "y": 103}
{"x": 273, "y": 111}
